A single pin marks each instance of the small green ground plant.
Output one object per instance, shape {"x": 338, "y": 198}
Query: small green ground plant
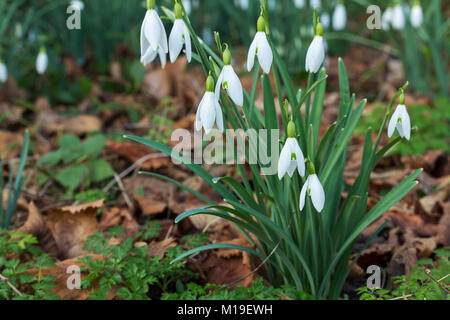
{"x": 19, "y": 253}
{"x": 429, "y": 280}
{"x": 80, "y": 162}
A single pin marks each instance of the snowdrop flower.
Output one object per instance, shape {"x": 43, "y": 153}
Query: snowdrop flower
{"x": 416, "y": 15}
{"x": 261, "y": 48}
{"x": 316, "y": 51}
{"x": 312, "y": 188}
{"x": 339, "y": 17}
{"x": 325, "y": 20}
{"x": 291, "y": 155}
{"x": 299, "y": 3}
{"x": 386, "y": 19}
{"x": 400, "y": 120}
{"x": 3, "y": 72}
{"x": 179, "y": 36}
{"x": 398, "y": 18}
{"x": 315, "y": 4}
{"x": 153, "y": 36}
{"x": 42, "y": 61}
{"x": 243, "y": 4}
{"x": 229, "y": 80}
{"x": 209, "y": 110}
{"x": 77, "y": 5}
{"x": 187, "y": 6}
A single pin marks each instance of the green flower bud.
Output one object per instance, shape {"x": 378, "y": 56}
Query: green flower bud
{"x": 151, "y": 4}
{"x": 319, "y": 29}
{"x": 261, "y": 25}
{"x": 291, "y": 129}
{"x": 311, "y": 168}
{"x": 210, "y": 83}
{"x": 227, "y": 56}
{"x": 178, "y": 11}
{"x": 401, "y": 100}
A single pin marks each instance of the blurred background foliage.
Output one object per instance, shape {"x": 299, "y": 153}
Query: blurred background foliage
{"x": 110, "y": 30}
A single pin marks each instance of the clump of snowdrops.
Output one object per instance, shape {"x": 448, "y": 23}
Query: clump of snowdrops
{"x": 304, "y": 219}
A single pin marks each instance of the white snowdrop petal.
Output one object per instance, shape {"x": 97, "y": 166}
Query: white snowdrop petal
{"x": 265, "y": 55}
{"x": 234, "y": 86}
{"x": 315, "y": 55}
{"x": 252, "y": 54}
{"x": 41, "y": 62}
{"x": 416, "y": 16}
{"x": 393, "y": 123}
{"x": 317, "y": 193}
{"x": 208, "y": 112}
{"x": 406, "y": 122}
{"x": 339, "y": 17}
{"x": 163, "y": 36}
{"x": 219, "y": 115}
{"x": 219, "y": 84}
{"x": 398, "y": 18}
{"x": 303, "y": 194}
{"x": 284, "y": 161}
{"x": 3, "y": 72}
{"x": 176, "y": 40}
{"x": 144, "y": 42}
{"x": 198, "y": 115}
{"x": 162, "y": 57}
{"x": 153, "y": 30}
{"x": 187, "y": 42}
{"x": 300, "y": 161}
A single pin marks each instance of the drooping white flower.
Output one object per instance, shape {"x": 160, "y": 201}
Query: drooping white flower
{"x": 315, "y": 4}
{"x": 400, "y": 121}
{"x": 260, "y": 47}
{"x": 243, "y": 4}
{"x": 209, "y": 110}
{"x": 316, "y": 51}
{"x": 398, "y": 18}
{"x": 153, "y": 37}
{"x": 299, "y": 3}
{"x": 416, "y": 15}
{"x": 42, "y": 61}
{"x": 386, "y": 19}
{"x": 339, "y": 17}
{"x": 78, "y": 5}
{"x": 179, "y": 36}
{"x": 291, "y": 155}
{"x": 229, "y": 80}
{"x": 271, "y": 4}
{"x": 187, "y": 6}
{"x": 313, "y": 188}
{"x": 325, "y": 20}
{"x": 3, "y": 72}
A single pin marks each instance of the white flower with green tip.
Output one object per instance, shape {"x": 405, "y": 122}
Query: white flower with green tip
{"x": 209, "y": 110}
{"x": 316, "y": 51}
{"x": 416, "y": 15}
{"x": 179, "y": 36}
{"x": 229, "y": 80}
{"x": 42, "y": 61}
{"x": 153, "y": 36}
{"x": 312, "y": 188}
{"x": 400, "y": 120}
{"x": 260, "y": 47}
{"x": 291, "y": 156}
{"x": 339, "y": 17}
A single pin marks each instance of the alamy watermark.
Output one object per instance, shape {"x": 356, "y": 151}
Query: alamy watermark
{"x": 260, "y": 147}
